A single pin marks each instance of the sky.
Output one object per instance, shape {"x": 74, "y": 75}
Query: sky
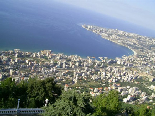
{"x": 139, "y": 12}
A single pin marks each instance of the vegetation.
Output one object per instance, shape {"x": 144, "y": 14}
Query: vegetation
{"x": 32, "y": 93}
{"x": 70, "y": 103}
{"x": 107, "y": 104}
{"x": 138, "y": 110}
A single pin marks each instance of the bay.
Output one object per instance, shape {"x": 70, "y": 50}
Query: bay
{"x": 32, "y": 25}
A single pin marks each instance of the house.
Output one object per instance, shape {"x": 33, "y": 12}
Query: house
{"x": 66, "y": 87}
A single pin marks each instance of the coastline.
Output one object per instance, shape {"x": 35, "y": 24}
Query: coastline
{"x": 134, "y": 52}
{"x": 81, "y": 55}
{"x": 90, "y": 28}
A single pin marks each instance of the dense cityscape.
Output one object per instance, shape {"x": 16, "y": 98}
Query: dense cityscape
{"x": 89, "y": 73}
{"x": 132, "y": 76}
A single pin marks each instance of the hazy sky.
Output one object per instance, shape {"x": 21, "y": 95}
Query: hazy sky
{"x": 140, "y": 12}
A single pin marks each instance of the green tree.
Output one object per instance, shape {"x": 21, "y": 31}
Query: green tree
{"x": 129, "y": 108}
{"x": 21, "y": 93}
{"x": 8, "y": 93}
{"x": 39, "y": 90}
{"x": 31, "y": 94}
{"x": 142, "y": 111}
{"x": 70, "y": 103}
{"x": 107, "y": 104}
{"x": 138, "y": 110}
{"x": 153, "y": 111}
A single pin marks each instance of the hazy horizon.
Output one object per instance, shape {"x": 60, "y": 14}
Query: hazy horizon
{"x": 139, "y": 12}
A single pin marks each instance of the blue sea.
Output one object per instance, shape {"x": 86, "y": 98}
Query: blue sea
{"x": 32, "y": 25}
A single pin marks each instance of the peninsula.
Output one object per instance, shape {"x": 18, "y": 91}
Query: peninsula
{"x": 132, "y": 76}
{"x": 140, "y": 45}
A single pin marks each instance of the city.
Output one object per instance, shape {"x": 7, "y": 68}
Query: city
{"x": 132, "y": 76}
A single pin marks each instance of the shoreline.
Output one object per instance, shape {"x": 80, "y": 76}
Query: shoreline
{"x": 82, "y": 56}
{"x": 134, "y": 52}
{"x": 107, "y": 38}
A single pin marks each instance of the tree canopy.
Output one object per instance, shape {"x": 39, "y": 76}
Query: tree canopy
{"x": 32, "y": 93}
{"x": 70, "y": 103}
{"x": 107, "y": 104}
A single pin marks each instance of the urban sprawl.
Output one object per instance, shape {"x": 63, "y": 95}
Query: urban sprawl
{"x": 132, "y": 76}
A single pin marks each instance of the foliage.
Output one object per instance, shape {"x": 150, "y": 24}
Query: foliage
{"x": 143, "y": 111}
{"x": 107, "y": 104}
{"x": 130, "y": 109}
{"x": 31, "y": 93}
{"x": 70, "y": 103}
{"x": 137, "y": 110}
{"x": 39, "y": 90}
{"x": 7, "y": 93}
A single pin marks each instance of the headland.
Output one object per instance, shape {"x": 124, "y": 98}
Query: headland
{"x": 131, "y": 75}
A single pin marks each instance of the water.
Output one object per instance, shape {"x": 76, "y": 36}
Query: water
{"x": 36, "y": 25}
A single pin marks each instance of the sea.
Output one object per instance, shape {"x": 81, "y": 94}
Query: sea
{"x": 34, "y": 25}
